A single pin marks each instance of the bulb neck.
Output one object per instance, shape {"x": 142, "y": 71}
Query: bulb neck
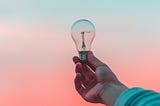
{"x": 83, "y": 56}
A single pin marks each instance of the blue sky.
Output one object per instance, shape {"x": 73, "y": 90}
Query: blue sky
{"x": 123, "y": 22}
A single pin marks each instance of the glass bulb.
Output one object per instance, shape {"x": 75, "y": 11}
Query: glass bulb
{"x": 83, "y": 33}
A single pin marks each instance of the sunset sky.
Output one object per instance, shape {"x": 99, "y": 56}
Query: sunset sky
{"x": 36, "y": 48}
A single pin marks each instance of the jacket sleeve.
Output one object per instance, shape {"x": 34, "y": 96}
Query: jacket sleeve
{"x": 138, "y": 97}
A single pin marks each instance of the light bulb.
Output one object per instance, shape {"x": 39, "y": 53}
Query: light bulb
{"x": 83, "y": 33}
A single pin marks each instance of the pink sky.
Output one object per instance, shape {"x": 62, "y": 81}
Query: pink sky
{"x": 37, "y": 69}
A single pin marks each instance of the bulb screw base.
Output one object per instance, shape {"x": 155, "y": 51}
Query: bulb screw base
{"x": 83, "y": 56}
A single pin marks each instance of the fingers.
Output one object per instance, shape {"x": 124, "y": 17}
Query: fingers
{"x": 78, "y": 67}
{"x": 86, "y": 74}
{"x": 76, "y": 59}
{"x": 89, "y": 74}
{"x": 83, "y": 69}
{"x": 78, "y": 84}
{"x": 93, "y": 62}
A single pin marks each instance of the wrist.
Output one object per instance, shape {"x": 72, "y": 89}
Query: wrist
{"x": 111, "y": 92}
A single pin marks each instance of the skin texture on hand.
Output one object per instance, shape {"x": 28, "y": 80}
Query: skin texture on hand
{"x": 95, "y": 81}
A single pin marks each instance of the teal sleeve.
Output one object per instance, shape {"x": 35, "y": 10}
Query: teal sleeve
{"x": 138, "y": 97}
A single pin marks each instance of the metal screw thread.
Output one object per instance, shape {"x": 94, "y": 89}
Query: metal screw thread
{"x": 83, "y": 56}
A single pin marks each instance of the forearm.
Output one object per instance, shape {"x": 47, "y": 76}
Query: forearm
{"x": 138, "y": 97}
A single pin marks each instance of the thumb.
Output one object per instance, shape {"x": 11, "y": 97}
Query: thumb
{"x": 93, "y": 62}
{"x": 103, "y": 73}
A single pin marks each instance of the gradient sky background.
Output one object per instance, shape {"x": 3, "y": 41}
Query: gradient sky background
{"x": 36, "y": 48}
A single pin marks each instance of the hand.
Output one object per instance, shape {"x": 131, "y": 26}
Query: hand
{"x": 95, "y": 81}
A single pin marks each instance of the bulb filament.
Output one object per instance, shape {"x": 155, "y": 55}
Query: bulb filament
{"x": 83, "y": 44}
